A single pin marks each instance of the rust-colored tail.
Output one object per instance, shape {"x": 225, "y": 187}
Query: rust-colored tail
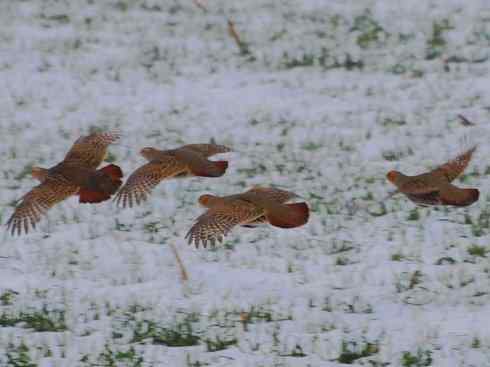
{"x": 293, "y": 215}
{"x": 213, "y": 169}
{"x": 105, "y": 182}
{"x": 92, "y": 197}
{"x": 113, "y": 171}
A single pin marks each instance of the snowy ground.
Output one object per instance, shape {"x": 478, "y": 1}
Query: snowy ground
{"x": 332, "y": 95}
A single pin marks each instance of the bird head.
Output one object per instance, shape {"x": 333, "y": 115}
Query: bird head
{"x": 39, "y": 173}
{"x": 392, "y": 176}
{"x": 208, "y": 200}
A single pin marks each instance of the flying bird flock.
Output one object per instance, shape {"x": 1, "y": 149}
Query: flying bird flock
{"x": 78, "y": 175}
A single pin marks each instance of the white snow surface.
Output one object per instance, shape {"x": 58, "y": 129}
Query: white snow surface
{"x": 334, "y": 95}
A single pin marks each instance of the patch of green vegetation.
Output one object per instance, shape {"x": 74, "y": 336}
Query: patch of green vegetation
{"x": 277, "y": 35}
{"x": 368, "y": 197}
{"x": 111, "y": 358}
{"x": 414, "y": 214}
{"x": 323, "y": 60}
{"x": 398, "y": 69}
{"x": 477, "y": 231}
{"x": 391, "y": 156}
{"x": 303, "y": 61}
{"x": 397, "y": 257}
{"x": 19, "y": 356}
{"x": 339, "y": 246}
{"x": 347, "y": 63}
{"x": 214, "y": 345}
{"x": 436, "y": 44}
{"x": 382, "y": 210}
{"x": 258, "y": 169}
{"x": 7, "y": 297}
{"x": 481, "y": 223}
{"x": 476, "y": 250}
{"x": 370, "y": 31}
{"x": 179, "y": 335}
{"x": 297, "y": 352}
{"x": 475, "y": 343}
{"x": 190, "y": 363}
{"x": 342, "y": 260}
{"x": 60, "y": 18}
{"x": 42, "y": 321}
{"x": 261, "y": 313}
{"x": 121, "y": 5}
{"x": 351, "y": 351}
{"x": 121, "y": 226}
{"x": 152, "y": 227}
{"x": 310, "y": 146}
{"x": 445, "y": 260}
{"x": 387, "y": 122}
{"x": 420, "y": 359}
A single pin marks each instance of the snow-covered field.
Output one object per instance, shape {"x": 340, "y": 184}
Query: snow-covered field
{"x": 330, "y": 96}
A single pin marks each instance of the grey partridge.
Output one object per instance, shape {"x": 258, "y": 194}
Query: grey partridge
{"x": 434, "y": 187}
{"x": 259, "y": 205}
{"x": 77, "y": 174}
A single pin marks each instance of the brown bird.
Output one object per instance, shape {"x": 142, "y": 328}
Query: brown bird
{"x": 188, "y": 160}
{"x": 259, "y": 205}
{"x": 77, "y": 174}
{"x": 434, "y": 187}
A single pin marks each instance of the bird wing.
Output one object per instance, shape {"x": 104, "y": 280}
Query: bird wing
{"x": 275, "y": 194}
{"x": 207, "y": 150}
{"x": 431, "y": 198}
{"x": 144, "y": 179}
{"x": 454, "y": 167}
{"x": 452, "y": 195}
{"x": 418, "y": 185}
{"x": 37, "y": 202}
{"x": 199, "y": 165}
{"x": 90, "y": 150}
{"x": 219, "y": 220}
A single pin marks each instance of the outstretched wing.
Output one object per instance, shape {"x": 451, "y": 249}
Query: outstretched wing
{"x": 89, "y": 151}
{"x": 275, "y": 194}
{"x": 453, "y": 168}
{"x": 218, "y": 221}
{"x": 199, "y": 165}
{"x": 207, "y": 150}
{"x": 37, "y": 202}
{"x": 145, "y": 178}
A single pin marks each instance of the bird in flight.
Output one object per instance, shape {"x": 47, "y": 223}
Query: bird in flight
{"x": 77, "y": 174}
{"x": 186, "y": 161}
{"x": 434, "y": 187}
{"x": 259, "y": 205}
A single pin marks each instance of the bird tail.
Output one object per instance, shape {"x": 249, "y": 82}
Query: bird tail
{"x": 212, "y": 169}
{"x": 289, "y": 215}
{"x": 107, "y": 181}
{"x": 114, "y": 172}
